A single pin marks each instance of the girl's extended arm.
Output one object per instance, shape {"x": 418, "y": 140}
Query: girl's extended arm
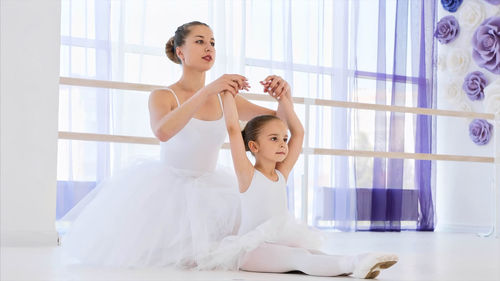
{"x": 242, "y": 165}
{"x": 285, "y": 108}
{"x": 248, "y": 110}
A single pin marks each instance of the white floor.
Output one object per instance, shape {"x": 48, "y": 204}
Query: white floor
{"x": 423, "y": 256}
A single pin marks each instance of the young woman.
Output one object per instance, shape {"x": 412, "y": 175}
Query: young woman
{"x": 173, "y": 211}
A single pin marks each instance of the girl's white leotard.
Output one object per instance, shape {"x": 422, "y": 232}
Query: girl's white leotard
{"x": 263, "y": 199}
{"x": 159, "y": 213}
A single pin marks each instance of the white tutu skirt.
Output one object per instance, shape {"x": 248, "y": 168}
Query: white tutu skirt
{"x": 154, "y": 215}
{"x": 281, "y": 229}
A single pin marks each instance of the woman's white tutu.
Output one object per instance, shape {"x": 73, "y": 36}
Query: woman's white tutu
{"x": 183, "y": 210}
{"x": 152, "y": 214}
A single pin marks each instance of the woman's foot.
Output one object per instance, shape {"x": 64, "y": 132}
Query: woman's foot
{"x": 368, "y": 266}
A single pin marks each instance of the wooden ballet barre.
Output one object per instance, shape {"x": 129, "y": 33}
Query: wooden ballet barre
{"x": 298, "y": 100}
{"x": 314, "y": 151}
{"x": 107, "y": 138}
{"x": 108, "y": 84}
{"x": 308, "y": 102}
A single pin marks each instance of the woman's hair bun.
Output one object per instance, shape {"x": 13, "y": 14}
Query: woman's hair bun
{"x": 170, "y": 51}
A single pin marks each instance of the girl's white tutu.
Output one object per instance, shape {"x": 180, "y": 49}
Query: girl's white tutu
{"x": 282, "y": 229}
{"x": 152, "y": 214}
{"x": 265, "y": 219}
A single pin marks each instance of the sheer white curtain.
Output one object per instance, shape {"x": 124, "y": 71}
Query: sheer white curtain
{"x": 307, "y": 42}
{"x": 124, "y": 41}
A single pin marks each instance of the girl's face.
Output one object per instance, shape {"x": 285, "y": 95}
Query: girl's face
{"x": 198, "y": 51}
{"x": 272, "y": 142}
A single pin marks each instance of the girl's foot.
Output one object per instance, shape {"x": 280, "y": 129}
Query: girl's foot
{"x": 368, "y": 266}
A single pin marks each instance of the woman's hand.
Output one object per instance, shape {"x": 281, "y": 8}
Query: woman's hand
{"x": 277, "y": 87}
{"x": 231, "y": 83}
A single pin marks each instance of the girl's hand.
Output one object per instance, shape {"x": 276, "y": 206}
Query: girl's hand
{"x": 231, "y": 83}
{"x": 277, "y": 87}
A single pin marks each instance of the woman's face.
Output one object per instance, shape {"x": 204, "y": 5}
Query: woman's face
{"x": 198, "y": 51}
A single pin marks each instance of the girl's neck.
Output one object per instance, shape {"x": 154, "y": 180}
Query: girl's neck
{"x": 191, "y": 81}
{"x": 266, "y": 168}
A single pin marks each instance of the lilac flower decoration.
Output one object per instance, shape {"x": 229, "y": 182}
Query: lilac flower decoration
{"x": 474, "y": 84}
{"x": 451, "y": 5}
{"x": 447, "y": 29}
{"x": 493, "y": 2}
{"x": 480, "y": 131}
{"x": 486, "y": 45}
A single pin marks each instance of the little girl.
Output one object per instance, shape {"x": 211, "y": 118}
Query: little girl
{"x": 269, "y": 239}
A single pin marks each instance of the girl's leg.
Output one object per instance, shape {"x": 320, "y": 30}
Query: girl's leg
{"x": 279, "y": 258}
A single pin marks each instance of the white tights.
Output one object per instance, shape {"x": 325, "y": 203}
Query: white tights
{"x": 280, "y": 258}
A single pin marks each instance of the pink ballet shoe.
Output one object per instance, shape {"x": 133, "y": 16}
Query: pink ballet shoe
{"x": 368, "y": 266}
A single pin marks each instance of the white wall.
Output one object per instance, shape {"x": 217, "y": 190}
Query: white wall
{"x": 29, "y": 78}
{"x": 464, "y": 190}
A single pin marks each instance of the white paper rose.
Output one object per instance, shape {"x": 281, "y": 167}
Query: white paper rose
{"x": 441, "y": 62}
{"x": 457, "y": 61}
{"x": 471, "y": 14}
{"x": 464, "y": 106}
{"x": 453, "y": 92}
{"x": 491, "y": 100}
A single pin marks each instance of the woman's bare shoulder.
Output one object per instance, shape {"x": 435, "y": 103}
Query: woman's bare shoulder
{"x": 168, "y": 90}
{"x": 163, "y": 96}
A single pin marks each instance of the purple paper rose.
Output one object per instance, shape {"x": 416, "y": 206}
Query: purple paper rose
{"x": 451, "y": 5}
{"x": 486, "y": 45}
{"x": 447, "y": 29}
{"x": 474, "y": 84}
{"x": 480, "y": 131}
{"x": 493, "y": 2}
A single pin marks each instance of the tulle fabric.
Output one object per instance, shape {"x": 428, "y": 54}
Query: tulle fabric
{"x": 152, "y": 214}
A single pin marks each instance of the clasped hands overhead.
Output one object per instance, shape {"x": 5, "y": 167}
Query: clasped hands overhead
{"x": 274, "y": 85}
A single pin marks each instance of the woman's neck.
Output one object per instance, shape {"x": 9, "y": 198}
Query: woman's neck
{"x": 191, "y": 80}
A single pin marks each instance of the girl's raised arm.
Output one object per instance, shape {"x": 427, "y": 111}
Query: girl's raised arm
{"x": 248, "y": 110}
{"x": 242, "y": 165}
{"x": 296, "y": 138}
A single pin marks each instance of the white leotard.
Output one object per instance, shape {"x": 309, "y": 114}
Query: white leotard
{"x": 198, "y": 140}
{"x": 263, "y": 200}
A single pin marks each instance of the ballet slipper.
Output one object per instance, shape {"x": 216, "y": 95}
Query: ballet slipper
{"x": 368, "y": 266}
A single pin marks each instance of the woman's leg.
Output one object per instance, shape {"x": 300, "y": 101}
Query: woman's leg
{"x": 279, "y": 258}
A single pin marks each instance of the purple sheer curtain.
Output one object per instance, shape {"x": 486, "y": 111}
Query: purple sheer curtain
{"x": 425, "y": 131}
{"x": 387, "y": 204}
{"x": 387, "y": 194}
